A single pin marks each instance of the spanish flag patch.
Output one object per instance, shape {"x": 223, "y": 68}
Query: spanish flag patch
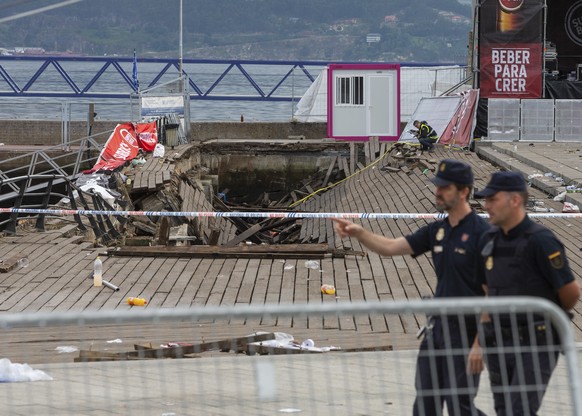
{"x": 556, "y": 260}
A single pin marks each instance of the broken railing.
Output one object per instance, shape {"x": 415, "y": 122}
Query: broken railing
{"x": 41, "y": 192}
{"x": 62, "y": 160}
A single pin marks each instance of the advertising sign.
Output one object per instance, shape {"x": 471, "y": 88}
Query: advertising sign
{"x": 511, "y": 51}
{"x": 124, "y": 144}
{"x": 161, "y": 106}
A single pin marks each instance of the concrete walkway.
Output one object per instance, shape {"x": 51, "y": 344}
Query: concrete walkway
{"x": 562, "y": 160}
{"x": 372, "y": 383}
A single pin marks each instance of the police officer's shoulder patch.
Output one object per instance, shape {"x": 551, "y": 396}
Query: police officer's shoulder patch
{"x": 556, "y": 260}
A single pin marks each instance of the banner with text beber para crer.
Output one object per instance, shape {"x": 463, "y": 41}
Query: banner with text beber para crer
{"x": 510, "y": 48}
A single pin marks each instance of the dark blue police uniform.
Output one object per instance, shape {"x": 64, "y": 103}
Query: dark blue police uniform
{"x": 528, "y": 261}
{"x": 455, "y": 255}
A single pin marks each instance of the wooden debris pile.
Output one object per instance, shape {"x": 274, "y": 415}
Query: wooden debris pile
{"x": 175, "y": 349}
{"x": 404, "y": 157}
{"x": 169, "y": 189}
{"x": 249, "y": 345}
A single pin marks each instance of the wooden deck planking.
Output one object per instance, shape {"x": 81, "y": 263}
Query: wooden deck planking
{"x": 79, "y": 265}
{"x": 246, "y": 287}
{"x": 26, "y": 280}
{"x": 248, "y": 282}
{"x": 146, "y": 281}
{"x": 207, "y": 283}
{"x": 329, "y": 321}
{"x": 314, "y": 295}
{"x": 221, "y": 283}
{"x": 260, "y": 289}
{"x": 56, "y": 286}
{"x": 189, "y": 293}
{"x": 124, "y": 278}
{"x": 151, "y": 290}
{"x": 288, "y": 289}
{"x": 342, "y": 291}
{"x": 182, "y": 282}
{"x": 302, "y": 273}
{"x": 233, "y": 285}
{"x": 274, "y": 288}
{"x": 168, "y": 282}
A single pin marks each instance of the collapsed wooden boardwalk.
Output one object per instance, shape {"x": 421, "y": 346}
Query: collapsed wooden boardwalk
{"x": 58, "y": 277}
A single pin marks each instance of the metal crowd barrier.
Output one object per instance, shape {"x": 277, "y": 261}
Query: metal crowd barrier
{"x": 360, "y": 373}
{"x": 540, "y": 120}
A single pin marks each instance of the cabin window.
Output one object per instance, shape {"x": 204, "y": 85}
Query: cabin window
{"x": 350, "y": 90}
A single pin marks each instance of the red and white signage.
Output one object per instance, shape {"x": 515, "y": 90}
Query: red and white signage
{"x": 147, "y": 136}
{"x": 460, "y": 129}
{"x": 511, "y": 48}
{"x": 124, "y": 144}
{"x": 511, "y": 71}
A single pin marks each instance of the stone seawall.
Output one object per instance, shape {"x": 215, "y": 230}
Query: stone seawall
{"x": 49, "y": 133}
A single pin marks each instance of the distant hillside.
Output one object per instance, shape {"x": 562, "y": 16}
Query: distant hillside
{"x": 409, "y": 30}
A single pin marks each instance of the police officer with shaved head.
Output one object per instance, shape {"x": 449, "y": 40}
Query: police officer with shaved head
{"x": 520, "y": 257}
{"x": 443, "y": 365}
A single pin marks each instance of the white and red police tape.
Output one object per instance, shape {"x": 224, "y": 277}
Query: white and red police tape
{"x": 239, "y": 214}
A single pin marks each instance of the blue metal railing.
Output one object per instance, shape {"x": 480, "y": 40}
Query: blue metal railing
{"x": 110, "y": 77}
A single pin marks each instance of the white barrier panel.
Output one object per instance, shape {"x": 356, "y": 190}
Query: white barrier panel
{"x": 335, "y": 358}
{"x": 537, "y": 120}
{"x": 568, "y": 120}
{"x": 503, "y": 119}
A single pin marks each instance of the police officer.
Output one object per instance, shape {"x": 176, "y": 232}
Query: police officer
{"x": 521, "y": 258}
{"x": 427, "y": 136}
{"x": 453, "y": 244}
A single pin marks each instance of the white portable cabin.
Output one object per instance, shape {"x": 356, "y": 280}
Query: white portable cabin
{"x": 363, "y": 101}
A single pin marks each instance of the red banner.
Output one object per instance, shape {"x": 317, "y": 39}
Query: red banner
{"x": 147, "y": 135}
{"x": 510, "y": 52}
{"x": 124, "y": 144}
{"x": 121, "y": 146}
{"x": 460, "y": 129}
{"x": 511, "y": 71}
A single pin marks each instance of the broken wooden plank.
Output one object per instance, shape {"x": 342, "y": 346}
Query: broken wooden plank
{"x": 96, "y": 356}
{"x": 353, "y": 156}
{"x": 329, "y": 171}
{"x": 383, "y": 147}
{"x": 246, "y": 251}
{"x": 10, "y": 263}
{"x": 367, "y": 155}
{"x": 375, "y": 142}
{"x": 163, "y": 231}
{"x": 345, "y": 166}
{"x": 252, "y": 349}
{"x": 149, "y": 228}
{"x": 244, "y": 235}
{"x": 181, "y": 350}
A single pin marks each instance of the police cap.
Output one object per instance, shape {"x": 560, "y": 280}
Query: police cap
{"x": 453, "y": 171}
{"x": 503, "y": 181}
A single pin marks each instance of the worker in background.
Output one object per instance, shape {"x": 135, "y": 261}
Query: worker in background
{"x": 442, "y": 365}
{"x": 426, "y": 135}
{"x": 520, "y": 257}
